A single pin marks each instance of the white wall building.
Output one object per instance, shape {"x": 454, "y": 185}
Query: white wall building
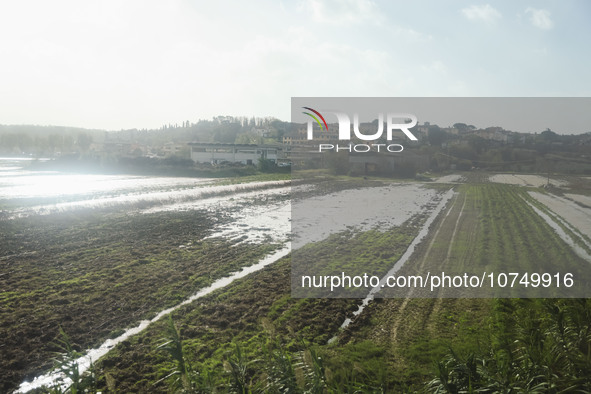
{"x": 203, "y": 152}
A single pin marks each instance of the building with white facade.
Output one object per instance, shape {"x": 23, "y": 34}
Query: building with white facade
{"x": 215, "y": 153}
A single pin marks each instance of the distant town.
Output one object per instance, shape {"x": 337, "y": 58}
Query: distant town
{"x": 227, "y": 140}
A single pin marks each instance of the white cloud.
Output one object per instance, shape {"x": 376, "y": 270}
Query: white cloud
{"x": 485, "y": 13}
{"x": 343, "y": 12}
{"x": 410, "y": 35}
{"x": 540, "y": 18}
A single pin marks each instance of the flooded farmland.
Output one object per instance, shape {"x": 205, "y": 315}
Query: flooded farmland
{"x": 96, "y": 254}
{"x": 104, "y": 256}
{"x": 360, "y": 210}
{"x": 577, "y": 216}
{"x": 106, "y": 264}
{"x": 525, "y": 180}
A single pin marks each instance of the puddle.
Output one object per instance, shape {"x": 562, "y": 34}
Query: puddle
{"x": 585, "y": 200}
{"x": 564, "y": 236}
{"x": 453, "y": 178}
{"x": 266, "y": 223}
{"x": 525, "y": 180}
{"x": 359, "y": 209}
{"x": 575, "y": 215}
{"x": 257, "y": 216}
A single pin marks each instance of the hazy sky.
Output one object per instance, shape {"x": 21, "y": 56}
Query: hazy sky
{"x": 142, "y": 63}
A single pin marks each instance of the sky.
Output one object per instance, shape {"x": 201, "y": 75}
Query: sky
{"x": 113, "y": 64}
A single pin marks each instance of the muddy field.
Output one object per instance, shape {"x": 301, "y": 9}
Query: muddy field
{"x": 94, "y": 276}
{"x": 248, "y": 313}
{"x": 94, "y": 265}
{"x": 95, "y": 271}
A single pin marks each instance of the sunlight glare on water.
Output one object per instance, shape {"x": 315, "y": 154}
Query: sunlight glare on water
{"x": 16, "y": 181}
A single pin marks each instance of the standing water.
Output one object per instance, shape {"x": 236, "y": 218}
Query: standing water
{"x": 24, "y": 192}
{"x": 403, "y": 259}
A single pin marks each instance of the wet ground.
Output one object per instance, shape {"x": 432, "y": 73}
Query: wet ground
{"x": 95, "y": 262}
{"x": 98, "y": 266}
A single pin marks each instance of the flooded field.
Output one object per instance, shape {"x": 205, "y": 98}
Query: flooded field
{"x": 99, "y": 254}
{"x": 573, "y": 213}
{"x": 433, "y": 213}
{"x": 105, "y": 258}
{"x": 24, "y": 193}
{"x": 581, "y": 199}
{"x": 18, "y": 182}
{"x": 359, "y": 210}
{"x": 525, "y": 180}
{"x": 452, "y": 178}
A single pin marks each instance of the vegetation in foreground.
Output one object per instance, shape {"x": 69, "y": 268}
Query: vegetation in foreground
{"x": 536, "y": 346}
{"x": 539, "y": 346}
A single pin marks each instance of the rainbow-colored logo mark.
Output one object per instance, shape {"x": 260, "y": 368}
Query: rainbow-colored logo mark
{"x": 315, "y": 118}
